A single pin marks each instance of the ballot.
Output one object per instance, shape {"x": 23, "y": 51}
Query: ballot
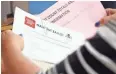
{"x": 43, "y": 40}
{"x": 79, "y": 16}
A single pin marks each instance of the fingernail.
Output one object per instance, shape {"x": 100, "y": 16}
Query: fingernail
{"x": 97, "y": 24}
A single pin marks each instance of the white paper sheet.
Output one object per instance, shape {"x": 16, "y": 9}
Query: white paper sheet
{"x": 43, "y": 40}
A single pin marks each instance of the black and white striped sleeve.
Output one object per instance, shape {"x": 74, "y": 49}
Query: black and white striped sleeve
{"x": 96, "y": 56}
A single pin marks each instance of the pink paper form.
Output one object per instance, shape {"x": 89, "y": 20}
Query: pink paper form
{"x": 79, "y": 16}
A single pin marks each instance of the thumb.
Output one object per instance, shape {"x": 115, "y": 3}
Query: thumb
{"x": 106, "y": 19}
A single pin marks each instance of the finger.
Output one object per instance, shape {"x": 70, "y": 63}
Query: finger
{"x": 5, "y": 36}
{"x": 4, "y": 33}
{"x": 3, "y": 69}
{"x": 107, "y": 18}
{"x": 8, "y": 38}
{"x": 101, "y": 22}
{"x": 110, "y": 11}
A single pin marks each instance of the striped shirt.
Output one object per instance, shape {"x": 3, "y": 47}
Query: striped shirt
{"x": 96, "y": 56}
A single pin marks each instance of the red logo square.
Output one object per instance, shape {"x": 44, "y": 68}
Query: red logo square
{"x": 30, "y": 22}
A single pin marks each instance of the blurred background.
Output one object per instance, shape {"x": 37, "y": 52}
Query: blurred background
{"x": 33, "y": 7}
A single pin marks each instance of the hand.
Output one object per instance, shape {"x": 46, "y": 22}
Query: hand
{"x": 111, "y": 15}
{"x": 8, "y": 38}
{"x": 13, "y": 61}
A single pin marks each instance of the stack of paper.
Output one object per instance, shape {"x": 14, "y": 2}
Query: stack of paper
{"x": 52, "y": 43}
{"x": 43, "y": 40}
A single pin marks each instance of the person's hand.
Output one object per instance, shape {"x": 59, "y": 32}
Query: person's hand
{"x": 110, "y": 15}
{"x": 13, "y": 60}
{"x": 8, "y": 38}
